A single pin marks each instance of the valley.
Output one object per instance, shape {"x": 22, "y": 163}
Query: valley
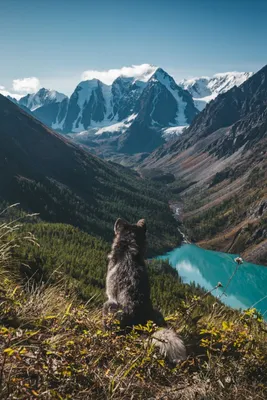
{"x": 220, "y": 168}
{"x": 52, "y": 176}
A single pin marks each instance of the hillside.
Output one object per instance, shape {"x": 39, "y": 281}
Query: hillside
{"x": 66, "y": 254}
{"x": 52, "y": 345}
{"x": 48, "y": 174}
{"x": 220, "y": 168}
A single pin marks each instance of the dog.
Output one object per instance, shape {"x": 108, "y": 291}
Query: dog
{"x": 128, "y": 289}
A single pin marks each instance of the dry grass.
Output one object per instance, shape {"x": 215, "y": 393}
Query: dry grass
{"x": 64, "y": 354}
{"x": 10, "y": 238}
{"x": 52, "y": 347}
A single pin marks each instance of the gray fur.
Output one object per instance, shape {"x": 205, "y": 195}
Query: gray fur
{"x": 128, "y": 290}
{"x": 127, "y": 284}
{"x": 170, "y": 345}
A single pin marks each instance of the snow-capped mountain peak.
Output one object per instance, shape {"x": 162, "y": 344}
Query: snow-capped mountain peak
{"x": 41, "y": 98}
{"x": 85, "y": 89}
{"x": 198, "y": 87}
{"x": 90, "y": 105}
{"x": 204, "y": 89}
{"x": 161, "y": 75}
{"x": 165, "y": 79}
{"x": 222, "y": 82}
{"x": 54, "y": 95}
{"x": 180, "y": 101}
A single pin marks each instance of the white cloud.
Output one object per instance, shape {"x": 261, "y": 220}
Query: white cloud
{"x": 6, "y": 93}
{"x": 142, "y": 72}
{"x": 26, "y": 85}
{"x": 3, "y": 91}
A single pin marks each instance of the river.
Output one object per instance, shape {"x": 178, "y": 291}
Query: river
{"x": 248, "y": 287}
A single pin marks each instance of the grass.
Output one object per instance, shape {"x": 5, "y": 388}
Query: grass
{"x": 52, "y": 346}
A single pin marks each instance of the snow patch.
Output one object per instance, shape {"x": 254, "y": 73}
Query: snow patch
{"x": 119, "y": 127}
{"x": 58, "y": 125}
{"x": 173, "y": 130}
{"x": 112, "y": 128}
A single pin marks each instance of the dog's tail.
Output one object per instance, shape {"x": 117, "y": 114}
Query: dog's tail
{"x": 170, "y": 345}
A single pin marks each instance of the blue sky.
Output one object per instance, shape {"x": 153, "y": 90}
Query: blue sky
{"x": 56, "y": 41}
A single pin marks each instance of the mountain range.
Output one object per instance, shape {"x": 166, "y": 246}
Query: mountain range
{"x": 130, "y": 116}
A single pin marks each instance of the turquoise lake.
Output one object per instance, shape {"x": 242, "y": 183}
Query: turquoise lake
{"x": 248, "y": 288}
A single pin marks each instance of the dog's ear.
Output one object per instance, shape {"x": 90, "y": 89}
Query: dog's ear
{"x": 142, "y": 224}
{"x": 119, "y": 225}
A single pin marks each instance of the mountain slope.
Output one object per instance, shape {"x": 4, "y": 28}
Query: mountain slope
{"x": 165, "y": 103}
{"x": 125, "y": 92}
{"x": 87, "y": 106}
{"x": 52, "y": 114}
{"x": 220, "y": 162}
{"x": 47, "y": 173}
{"x": 205, "y": 89}
{"x": 49, "y": 106}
